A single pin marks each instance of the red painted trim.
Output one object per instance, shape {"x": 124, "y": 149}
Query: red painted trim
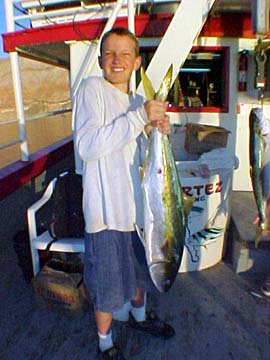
{"x": 236, "y": 25}
{"x": 13, "y": 176}
{"x": 83, "y": 30}
{"x": 204, "y": 109}
{"x": 230, "y": 25}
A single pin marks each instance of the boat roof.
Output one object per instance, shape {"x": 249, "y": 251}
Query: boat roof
{"x": 50, "y": 43}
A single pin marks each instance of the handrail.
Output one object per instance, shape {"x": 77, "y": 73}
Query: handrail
{"x": 11, "y": 143}
{"x": 31, "y": 118}
{"x": 38, "y": 116}
{"x": 12, "y": 19}
{"x": 34, "y": 12}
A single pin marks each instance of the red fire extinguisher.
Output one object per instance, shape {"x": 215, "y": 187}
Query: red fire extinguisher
{"x": 243, "y": 68}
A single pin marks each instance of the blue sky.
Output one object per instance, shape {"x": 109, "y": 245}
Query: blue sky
{"x": 2, "y": 27}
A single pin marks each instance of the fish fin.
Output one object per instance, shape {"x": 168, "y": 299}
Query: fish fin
{"x": 140, "y": 233}
{"x": 147, "y": 85}
{"x": 141, "y": 172}
{"x": 165, "y": 85}
{"x": 164, "y": 246}
{"x": 188, "y": 203}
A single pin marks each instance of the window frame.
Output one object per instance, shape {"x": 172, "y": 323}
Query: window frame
{"x": 225, "y": 71}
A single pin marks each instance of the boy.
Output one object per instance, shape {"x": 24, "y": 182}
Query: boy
{"x": 111, "y": 125}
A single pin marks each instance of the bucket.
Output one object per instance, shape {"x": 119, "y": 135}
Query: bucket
{"x": 208, "y": 219}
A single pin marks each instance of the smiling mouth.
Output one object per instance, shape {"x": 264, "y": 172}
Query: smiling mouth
{"x": 118, "y": 70}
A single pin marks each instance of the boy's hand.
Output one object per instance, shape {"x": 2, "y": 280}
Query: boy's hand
{"x": 164, "y": 126}
{"x": 156, "y": 113}
{"x": 155, "y": 110}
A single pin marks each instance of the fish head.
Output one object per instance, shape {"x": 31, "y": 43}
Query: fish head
{"x": 260, "y": 124}
{"x": 163, "y": 275}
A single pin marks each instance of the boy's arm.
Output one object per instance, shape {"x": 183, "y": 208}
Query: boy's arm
{"x": 94, "y": 138}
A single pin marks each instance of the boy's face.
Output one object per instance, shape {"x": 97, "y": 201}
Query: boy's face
{"x": 118, "y": 60}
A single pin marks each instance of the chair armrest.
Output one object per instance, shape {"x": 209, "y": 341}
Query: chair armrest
{"x": 31, "y": 211}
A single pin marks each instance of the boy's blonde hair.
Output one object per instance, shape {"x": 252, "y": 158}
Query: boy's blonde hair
{"x": 120, "y": 32}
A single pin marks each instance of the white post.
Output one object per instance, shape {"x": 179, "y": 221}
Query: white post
{"x": 185, "y": 26}
{"x": 14, "y": 61}
{"x": 131, "y": 27}
{"x": 92, "y": 55}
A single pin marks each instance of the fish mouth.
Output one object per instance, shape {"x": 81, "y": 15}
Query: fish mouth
{"x": 163, "y": 275}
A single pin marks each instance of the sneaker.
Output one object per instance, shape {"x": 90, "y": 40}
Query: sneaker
{"x": 153, "y": 325}
{"x": 113, "y": 353}
{"x": 265, "y": 288}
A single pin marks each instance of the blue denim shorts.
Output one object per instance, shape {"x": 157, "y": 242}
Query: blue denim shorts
{"x": 114, "y": 266}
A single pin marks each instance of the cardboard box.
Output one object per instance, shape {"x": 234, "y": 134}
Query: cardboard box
{"x": 59, "y": 287}
{"x": 202, "y": 138}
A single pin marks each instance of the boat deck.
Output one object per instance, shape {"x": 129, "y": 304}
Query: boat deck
{"x": 213, "y": 312}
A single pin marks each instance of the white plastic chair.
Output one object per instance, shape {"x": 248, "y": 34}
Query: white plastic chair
{"x": 40, "y": 242}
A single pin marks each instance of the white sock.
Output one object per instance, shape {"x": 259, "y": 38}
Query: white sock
{"x": 105, "y": 341}
{"x": 138, "y": 312}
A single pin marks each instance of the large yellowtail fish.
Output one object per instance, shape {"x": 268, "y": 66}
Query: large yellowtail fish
{"x": 164, "y": 215}
{"x": 259, "y": 147}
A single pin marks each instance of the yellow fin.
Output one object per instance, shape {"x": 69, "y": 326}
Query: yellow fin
{"x": 165, "y": 85}
{"x": 188, "y": 203}
{"x": 147, "y": 85}
{"x": 164, "y": 88}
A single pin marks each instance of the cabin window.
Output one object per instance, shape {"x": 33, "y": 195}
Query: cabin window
{"x": 202, "y": 82}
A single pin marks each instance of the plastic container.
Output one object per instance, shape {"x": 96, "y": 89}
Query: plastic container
{"x": 209, "y": 217}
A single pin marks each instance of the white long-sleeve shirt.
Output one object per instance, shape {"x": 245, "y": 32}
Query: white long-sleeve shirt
{"x": 108, "y": 124}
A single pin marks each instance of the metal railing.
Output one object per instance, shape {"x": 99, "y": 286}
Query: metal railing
{"x": 35, "y": 13}
{"x": 22, "y": 14}
{"x": 31, "y": 118}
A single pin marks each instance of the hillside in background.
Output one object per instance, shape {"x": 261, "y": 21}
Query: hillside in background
{"x": 45, "y": 87}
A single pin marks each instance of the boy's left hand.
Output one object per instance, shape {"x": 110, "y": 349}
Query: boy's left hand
{"x": 163, "y": 126}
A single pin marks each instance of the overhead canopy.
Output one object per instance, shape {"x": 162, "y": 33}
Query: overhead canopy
{"x": 50, "y": 43}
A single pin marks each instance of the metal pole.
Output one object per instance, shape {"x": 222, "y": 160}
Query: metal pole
{"x": 9, "y": 15}
{"x": 14, "y": 61}
{"x": 131, "y": 27}
{"x": 91, "y": 58}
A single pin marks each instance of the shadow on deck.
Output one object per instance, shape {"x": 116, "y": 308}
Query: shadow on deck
{"x": 213, "y": 312}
